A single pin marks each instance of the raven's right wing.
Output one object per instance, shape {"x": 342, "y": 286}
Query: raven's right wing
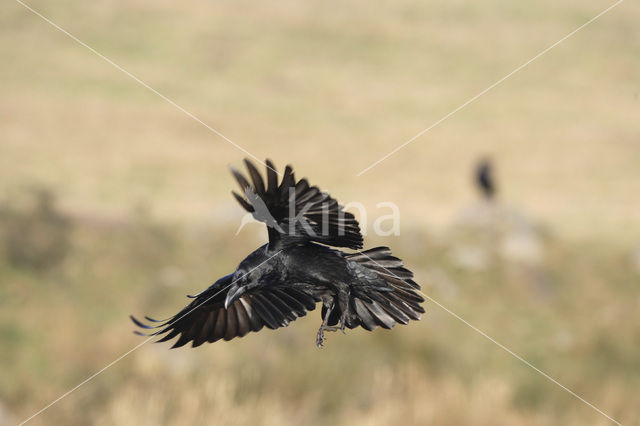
{"x": 206, "y": 320}
{"x": 295, "y": 210}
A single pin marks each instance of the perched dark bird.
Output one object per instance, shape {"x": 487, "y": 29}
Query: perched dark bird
{"x": 296, "y": 269}
{"x": 484, "y": 178}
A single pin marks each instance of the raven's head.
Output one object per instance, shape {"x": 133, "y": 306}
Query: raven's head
{"x": 256, "y": 270}
{"x": 241, "y": 282}
{"x": 244, "y": 281}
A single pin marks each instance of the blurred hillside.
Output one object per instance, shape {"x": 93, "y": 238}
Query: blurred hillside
{"x": 139, "y": 211}
{"x": 327, "y": 88}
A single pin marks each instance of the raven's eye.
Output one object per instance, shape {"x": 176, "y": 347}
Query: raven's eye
{"x": 238, "y": 276}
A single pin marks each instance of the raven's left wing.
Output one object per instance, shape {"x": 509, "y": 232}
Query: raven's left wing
{"x": 295, "y": 210}
{"x": 205, "y": 319}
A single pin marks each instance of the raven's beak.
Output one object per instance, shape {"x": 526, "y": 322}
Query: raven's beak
{"x": 233, "y": 294}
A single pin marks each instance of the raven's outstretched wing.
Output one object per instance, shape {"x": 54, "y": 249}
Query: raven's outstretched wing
{"x": 206, "y": 320}
{"x": 294, "y": 210}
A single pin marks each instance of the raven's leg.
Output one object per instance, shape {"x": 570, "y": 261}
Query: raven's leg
{"x": 329, "y": 304}
{"x": 344, "y": 294}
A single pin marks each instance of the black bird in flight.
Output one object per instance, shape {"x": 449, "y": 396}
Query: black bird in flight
{"x": 295, "y": 270}
{"x": 484, "y": 178}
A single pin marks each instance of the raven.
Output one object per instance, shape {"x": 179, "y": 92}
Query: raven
{"x": 484, "y": 178}
{"x": 295, "y": 270}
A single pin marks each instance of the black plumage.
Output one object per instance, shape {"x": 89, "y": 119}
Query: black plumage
{"x": 296, "y": 269}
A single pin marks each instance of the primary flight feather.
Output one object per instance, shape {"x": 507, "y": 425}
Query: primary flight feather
{"x": 295, "y": 270}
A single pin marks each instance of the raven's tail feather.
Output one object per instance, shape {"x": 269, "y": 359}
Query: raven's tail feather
{"x": 398, "y": 302}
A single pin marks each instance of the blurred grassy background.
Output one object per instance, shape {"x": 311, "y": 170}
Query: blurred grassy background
{"x": 114, "y": 202}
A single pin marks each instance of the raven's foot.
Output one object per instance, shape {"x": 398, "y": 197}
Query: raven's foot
{"x": 343, "y": 322}
{"x": 320, "y": 336}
